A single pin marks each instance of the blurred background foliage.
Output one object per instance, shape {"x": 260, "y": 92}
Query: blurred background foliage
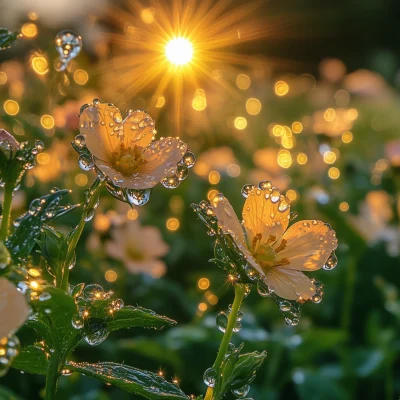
{"x": 315, "y": 110}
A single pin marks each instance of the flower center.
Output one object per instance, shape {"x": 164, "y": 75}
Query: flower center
{"x": 134, "y": 254}
{"x": 127, "y": 160}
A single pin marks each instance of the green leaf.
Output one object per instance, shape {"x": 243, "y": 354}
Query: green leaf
{"x": 245, "y": 370}
{"x": 53, "y": 247}
{"x": 31, "y": 359}
{"x": 129, "y": 317}
{"x": 57, "y": 309}
{"x": 365, "y": 362}
{"x": 147, "y": 384}
{"x": 7, "y": 38}
{"x": 41, "y": 210}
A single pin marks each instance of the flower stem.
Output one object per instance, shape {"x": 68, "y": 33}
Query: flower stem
{"x": 8, "y": 193}
{"x": 93, "y": 196}
{"x": 240, "y": 291}
{"x": 52, "y": 376}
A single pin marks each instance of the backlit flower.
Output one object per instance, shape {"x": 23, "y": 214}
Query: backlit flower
{"x": 14, "y": 309}
{"x": 139, "y": 248}
{"x": 8, "y": 142}
{"x": 125, "y": 151}
{"x": 278, "y": 253}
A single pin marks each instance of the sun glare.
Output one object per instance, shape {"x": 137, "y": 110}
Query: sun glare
{"x": 179, "y": 51}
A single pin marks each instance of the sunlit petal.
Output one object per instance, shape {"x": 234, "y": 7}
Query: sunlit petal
{"x": 138, "y": 128}
{"x": 306, "y": 246}
{"x": 290, "y": 284}
{"x": 265, "y": 213}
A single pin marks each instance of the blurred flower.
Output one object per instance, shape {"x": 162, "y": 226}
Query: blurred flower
{"x": 214, "y": 159}
{"x": 266, "y": 160}
{"x": 278, "y": 254}
{"x": 124, "y": 150}
{"x": 332, "y": 122}
{"x": 139, "y": 248}
{"x": 14, "y": 309}
{"x": 373, "y": 221}
{"x": 364, "y": 82}
{"x": 332, "y": 69}
{"x": 392, "y": 150}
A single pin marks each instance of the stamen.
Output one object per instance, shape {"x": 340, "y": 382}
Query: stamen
{"x": 281, "y": 246}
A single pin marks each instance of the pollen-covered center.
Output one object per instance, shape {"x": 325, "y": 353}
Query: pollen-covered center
{"x": 265, "y": 255}
{"x": 127, "y": 159}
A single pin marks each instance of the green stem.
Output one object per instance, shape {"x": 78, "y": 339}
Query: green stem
{"x": 8, "y": 193}
{"x": 89, "y": 206}
{"x": 52, "y": 376}
{"x": 240, "y": 291}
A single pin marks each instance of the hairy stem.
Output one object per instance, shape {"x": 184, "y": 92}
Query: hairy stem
{"x": 89, "y": 206}
{"x": 5, "y": 222}
{"x": 52, "y": 376}
{"x": 240, "y": 291}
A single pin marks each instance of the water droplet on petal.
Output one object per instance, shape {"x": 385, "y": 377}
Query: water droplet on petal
{"x": 86, "y": 162}
{"x": 332, "y": 262}
{"x": 246, "y": 189}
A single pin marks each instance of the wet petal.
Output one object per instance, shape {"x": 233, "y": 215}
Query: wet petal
{"x": 265, "y": 212}
{"x": 227, "y": 218}
{"x": 138, "y": 128}
{"x": 14, "y": 309}
{"x": 99, "y": 125}
{"x": 161, "y": 159}
{"x": 306, "y": 245}
{"x": 4, "y": 135}
{"x": 117, "y": 178}
{"x": 289, "y": 284}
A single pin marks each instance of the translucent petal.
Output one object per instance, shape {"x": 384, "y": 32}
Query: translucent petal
{"x": 306, "y": 245}
{"x": 138, "y": 129}
{"x": 265, "y": 212}
{"x": 290, "y": 284}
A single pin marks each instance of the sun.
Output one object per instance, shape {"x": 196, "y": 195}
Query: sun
{"x": 179, "y": 51}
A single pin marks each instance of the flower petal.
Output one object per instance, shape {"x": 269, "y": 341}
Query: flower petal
{"x": 289, "y": 284}
{"x": 227, "y": 218}
{"x": 153, "y": 267}
{"x": 138, "y": 129}
{"x": 306, "y": 245}
{"x": 161, "y": 159}
{"x": 230, "y": 224}
{"x": 4, "y": 135}
{"x": 100, "y": 127}
{"x": 265, "y": 212}
{"x": 14, "y": 309}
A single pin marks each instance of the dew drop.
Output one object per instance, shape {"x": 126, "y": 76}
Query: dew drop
{"x": 246, "y": 190}
{"x": 80, "y": 141}
{"x": 242, "y": 392}
{"x": 332, "y": 262}
{"x": 95, "y": 331}
{"x": 138, "y": 197}
{"x": 9, "y": 349}
{"x": 264, "y": 185}
{"x": 222, "y": 321}
{"x": 68, "y": 44}
{"x": 170, "y": 182}
{"x": 86, "y": 162}
{"x": 189, "y": 159}
{"x": 78, "y": 322}
{"x": 210, "y": 377}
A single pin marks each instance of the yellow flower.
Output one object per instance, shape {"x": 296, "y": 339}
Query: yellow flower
{"x": 14, "y": 309}
{"x": 125, "y": 150}
{"x": 277, "y": 253}
{"x": 139, "y": 248}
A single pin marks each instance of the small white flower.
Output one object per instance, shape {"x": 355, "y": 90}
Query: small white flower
{"x": 139, "y": 248}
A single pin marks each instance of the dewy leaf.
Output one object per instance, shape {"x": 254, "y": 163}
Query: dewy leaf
{"x": 129, "y": 317}
{"x": 147, "y": 384}
{"x": 31, "y": 359}
{"x": 28, "y": 226}
{"x": 7, "y": 38}
{"x": 58, "y": 309}
{"x": 245, "y": 370}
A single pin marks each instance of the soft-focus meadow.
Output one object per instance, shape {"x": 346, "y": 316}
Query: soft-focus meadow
{"x": 325, "y": 134}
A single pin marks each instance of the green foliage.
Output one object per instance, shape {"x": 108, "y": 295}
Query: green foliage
{"x": 147, "y": 384}
{"x": 28, "y": 226}
{"x": 7, "y": 38}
